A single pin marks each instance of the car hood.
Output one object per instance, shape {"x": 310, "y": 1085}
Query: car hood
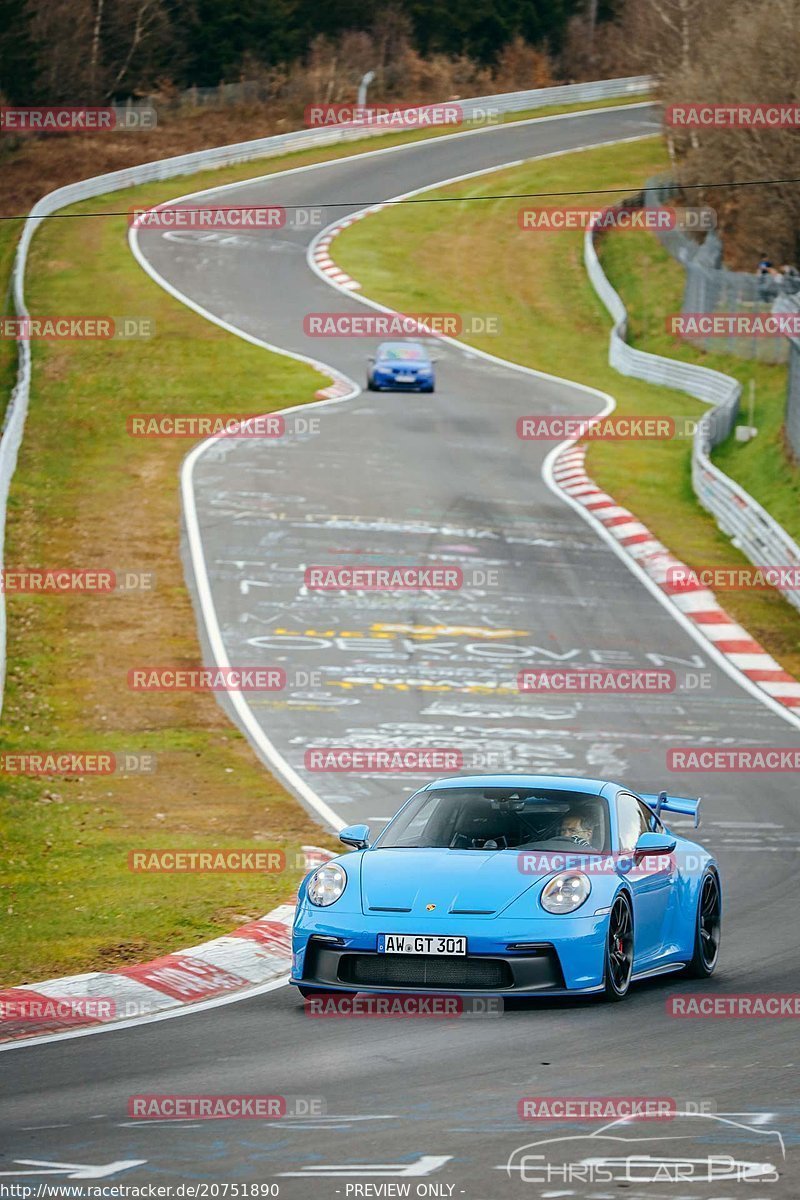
{"x": 458, "y": 882}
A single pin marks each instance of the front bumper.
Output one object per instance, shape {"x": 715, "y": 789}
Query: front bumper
{"x": 381, "y": 380}
{"x": 553, "y": 955}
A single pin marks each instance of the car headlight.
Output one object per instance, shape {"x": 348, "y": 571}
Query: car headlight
{"x": 565, "y": 892}
{"x": 326, "y": 885}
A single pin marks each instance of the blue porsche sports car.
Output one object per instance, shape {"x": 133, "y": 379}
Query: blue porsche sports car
{"x": 401, "y": 367}
{"x": 511, "y": 884}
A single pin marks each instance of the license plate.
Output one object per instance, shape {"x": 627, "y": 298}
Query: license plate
{"x": 405, "y": 378}
{"x": 405, "y": 943}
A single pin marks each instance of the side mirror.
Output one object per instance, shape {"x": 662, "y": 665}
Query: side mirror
{"x": 356, "y": 836}
{"x": 371, "y": 358}
{"x": 654, "y": 843}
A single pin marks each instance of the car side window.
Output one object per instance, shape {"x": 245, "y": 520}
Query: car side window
{"x": 416, "y": 828}
{"x": 630, "y": 819}
{"x": 652, "y": 823}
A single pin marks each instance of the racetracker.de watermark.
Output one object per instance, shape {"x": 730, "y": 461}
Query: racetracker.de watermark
{"x": 596, "y": 1108}
{"x": 207, "y": 679}
{"x": 785, "y": 578}
{"x": 392, "y": 116}
{"x": 735, "y": 1005}
{"x": 383, "y": 579}
{"x": 744, "y": 759}
{"x": 437, "y": 1007}
{"x": 734, "y": 115}
{"x": 654, "y": 217}
{"x": 201, "y": 862}
{"x": 67, "y": 328}
{"x": 390, "y": 759}
{"x": 636, "y": 866}
{"x": 236, "y": 1107}
{"x": 572, "y": 680}
{"x": 221, "y": 425}
{"x": 733, "y": 324}
{"x": 77, "y": 763}
{"x": 543, "y": 427}
{"x": 89, "y": 581}
{"x": 75, "y": 119}
{"x": 399, "y": 578}
{"x": 38, "y": 1009}
{"x": 399, "y": 325}
{"x": 243, "y": 218}
{"x": 196, "y": 425}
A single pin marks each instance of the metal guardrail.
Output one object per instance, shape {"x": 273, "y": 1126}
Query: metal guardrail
{"x": 223, "y": 156}
{"x": 792, "y": 415}
{"x": 738, "y": 514}
{"x": 792, "y": 422}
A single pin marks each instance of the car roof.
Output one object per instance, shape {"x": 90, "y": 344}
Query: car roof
{"x": 567, "y": 783}
{"x": 401, "y": 346}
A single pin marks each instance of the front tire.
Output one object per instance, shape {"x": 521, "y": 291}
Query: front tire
{"x": 619, "y": 950}
{"x": 707, "y": 929}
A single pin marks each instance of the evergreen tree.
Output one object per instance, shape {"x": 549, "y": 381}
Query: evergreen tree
{"x": 18, "y": 53}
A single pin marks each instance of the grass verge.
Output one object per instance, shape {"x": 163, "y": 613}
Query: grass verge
{"x": 9, "y": 234}
{"x": 463, "y": 257}
{"x": 86, "y": 494}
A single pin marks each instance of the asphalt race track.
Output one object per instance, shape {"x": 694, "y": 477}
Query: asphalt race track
{"x": 398, "y": 479}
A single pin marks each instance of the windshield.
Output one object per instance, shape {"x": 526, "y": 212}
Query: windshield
{"x": 397, "y": 351}
{"x": 501, "y": 818}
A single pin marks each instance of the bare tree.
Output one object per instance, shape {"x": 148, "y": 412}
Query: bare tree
{"x": 92, "y": 49}
{"x": 751, "y": 58}
{"x": 146, "y": 22}
{"x": 680, "y": 18}
{"x": 64, "y": 30}
{"x": 94, "y": 60}
{"x": 645, "y": 36}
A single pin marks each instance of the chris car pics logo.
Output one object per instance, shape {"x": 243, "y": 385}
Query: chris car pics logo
{"x": 691, "y": 1149}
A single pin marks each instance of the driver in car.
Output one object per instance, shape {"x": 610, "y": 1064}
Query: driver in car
{"x": 578, "y": 827}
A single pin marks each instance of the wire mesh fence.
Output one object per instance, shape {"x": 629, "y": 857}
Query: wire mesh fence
{"x": 711, "y": 288}
{"x": 792, "y": 419}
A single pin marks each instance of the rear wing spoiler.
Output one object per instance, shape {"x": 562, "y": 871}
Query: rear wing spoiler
{"x": 661, "y": 802}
